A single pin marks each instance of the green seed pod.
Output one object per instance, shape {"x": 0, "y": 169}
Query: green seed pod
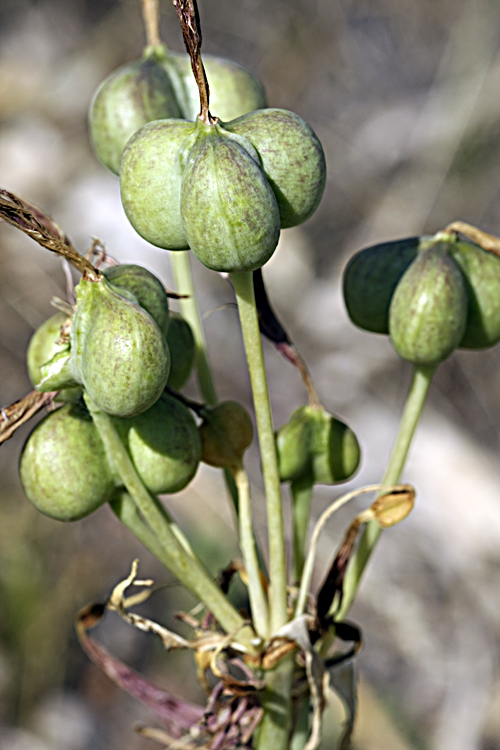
{"x": 182, "y": 348}
{"x": 293, "y": 441}
{"x": 481, "y": 270}
{"x": 164, "y": 445}
{"x": 229, "y": 211}
{"x": 137, "y": 93}
{"x": 370, "y": 278}
{"x": 118, "y": 353}
{"x": 234, "y": 90}
{"x": 146, "y": 288}
{"x": 428, "y": 312}
{"x": 151, "y": 181}
{"x": 313, "y": 444}
{"x": 63, "y": 466}
{"x": 291, "y": 157}
{"x": 43, "y": 347}
{"x": 226, "y": 432}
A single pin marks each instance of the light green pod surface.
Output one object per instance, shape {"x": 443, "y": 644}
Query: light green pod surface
{"x": 136, "y": 93}
{"x": 234, "y": 90}
{"x": 182, "y": 348}
{"x": 151, "y": 181}
{"x": 481, "y": 270}
{"x": 63, "y": 467}
{"x": 292, "y": 159}
{"x": 229, "y": 211}
{"x": 164, "y": 445}
{"x": 146, "y": 288}
{"x": 428, "y": 312}
{"x": 293, "y": 442}
{"x": 118, "y": 353}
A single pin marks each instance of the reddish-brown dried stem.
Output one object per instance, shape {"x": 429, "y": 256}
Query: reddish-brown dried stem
{"x": 187, "y": 11}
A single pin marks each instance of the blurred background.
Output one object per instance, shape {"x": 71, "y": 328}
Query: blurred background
{"x": 404, "y": 97}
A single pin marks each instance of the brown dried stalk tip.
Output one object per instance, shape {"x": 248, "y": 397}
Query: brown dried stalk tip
{"x": 15, "y": 415}
{"x": 40, "y": 227}
{"x": 187, "y": 12}
{"x": 488, "y": 242}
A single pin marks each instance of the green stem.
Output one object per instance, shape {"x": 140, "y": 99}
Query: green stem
{"x": 273, "y": 732}
{"x": 422, "y": 378}
{"x": 188, "y": 569}
{"x": 301, "y": 491}
{"x": 189, "y": 308}
{"x": 243, "y": 287}
{"x": 181, "y": 269}
{"x": 258, "y": 602}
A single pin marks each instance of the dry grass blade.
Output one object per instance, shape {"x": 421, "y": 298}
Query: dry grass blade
{"x": 41, "y": 228}
{"x": 13, "y": 416}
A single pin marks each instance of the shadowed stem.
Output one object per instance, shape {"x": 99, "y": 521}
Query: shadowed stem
{"x": 301, "y": 490}
{"x": 187, "y": 568}
{"x": 422, "y": 378}
{"x": 243, "y": 287}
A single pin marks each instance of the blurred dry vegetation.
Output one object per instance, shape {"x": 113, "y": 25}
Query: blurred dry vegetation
{"x": 404, "y": 96}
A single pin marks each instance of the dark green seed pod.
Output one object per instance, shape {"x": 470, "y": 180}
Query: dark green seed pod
{"x": 226, "y": 432}
{"x": 481, "y": 270}
{"x": 234, "y": 90}
{"x": 370, "y": 279}
{"x": 314, "y": 444}
{"x": 291, "y": 157}
{"x": 146, "y": 288}
{"x": 63, "y": 467}
{"x": 43, "y": 347}
{"x": 229, "y": 211}
{"x": 151, "y": 181}
{"x": 137, "y": 93}
{"x": 428, "y": 312}
{"x": 182, "y": 348}
{"x": 118, "y": 353}
{"x": 164, "y": 445}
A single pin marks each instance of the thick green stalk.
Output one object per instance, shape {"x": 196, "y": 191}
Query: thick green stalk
{"x": 188, "y": 569}
{"x": 189, "y": 307}
{"x": 243, "y": 286}
{"x": 273, "y": 732}
{"x": 422, "y": 378}
{"x": 301, "y": 491}
{"x": 181, "y": 268}
{"x": 258, "y": 602}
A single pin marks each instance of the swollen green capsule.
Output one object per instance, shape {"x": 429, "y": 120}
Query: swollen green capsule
{"x": 428, "y": 312}
{"x": 317, "y": 446}
{"x": 63, "y": 467}
{"x": 137, "y": 93}
{"x": 370, "y": 279}
{"x": 146, "y": 288}
{"x": 226, "y": 432}
{"x": 291, "y": 157}
{"x": 118, "y": 353}
{"x": 229, "y": 211}
{"x": 43, "y": 346}
{"x": 164, "y": 445}
{"x": 182, "y": 348}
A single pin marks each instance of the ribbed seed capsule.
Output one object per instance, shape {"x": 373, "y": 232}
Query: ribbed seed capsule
{"x": 229, "y": 212}
{"x": 151, "y": 176}
{"x": 146, "y": 288}
{"x": 370, "y": 279}
{"x": 291, "y": 157}
{"x": 428, "y": 312}
{"x": 63, "y": 467}
{"x": 137, "y": 93}
{"x": 164, "y": 445}
{"x": 118, "y": 353}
